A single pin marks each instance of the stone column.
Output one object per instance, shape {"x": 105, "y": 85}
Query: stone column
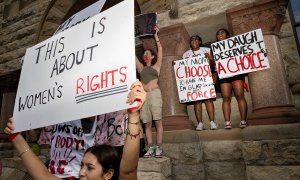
{"x": 271, "y": 97}
{"x": 175, "y": 41}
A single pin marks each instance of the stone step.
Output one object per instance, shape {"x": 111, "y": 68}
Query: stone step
{"x": 154, "y": 168}
{"x": 6, "y": 150}
{"x": 6, "y": 154}
{"x": 3, "y": 138}
{"x": 6, "y": 146}
{"x": 12, "y": 168}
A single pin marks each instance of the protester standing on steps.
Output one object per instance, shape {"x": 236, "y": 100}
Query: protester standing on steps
{"x": 195, "y": 50}
{"x": 149, "y": 72}
{"x": 235, "y": 83}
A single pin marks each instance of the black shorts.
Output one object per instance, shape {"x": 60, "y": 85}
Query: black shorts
{"x": 232, "y": 79}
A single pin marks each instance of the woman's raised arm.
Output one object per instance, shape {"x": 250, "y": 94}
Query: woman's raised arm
{"x": 31, "y": 162}
{"x": 130, "y": 157}
{"x": 159, "y": 50}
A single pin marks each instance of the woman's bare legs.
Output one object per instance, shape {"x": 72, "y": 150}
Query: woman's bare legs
{"x": 226, "y": 104}
{"x": 209, "y": 104}
{"x": 238, "y": 88}
{"x": 159, "y": 132}
{"x": 148, "y": 131}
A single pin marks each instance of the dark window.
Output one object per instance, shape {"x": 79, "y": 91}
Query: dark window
{"x": 294, "y": 9}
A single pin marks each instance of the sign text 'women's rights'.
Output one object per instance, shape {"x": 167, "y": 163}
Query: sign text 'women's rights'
{"x": 194, "y": 79}
{"x": 79, "y": 72}
{"x": 240, "y": 54}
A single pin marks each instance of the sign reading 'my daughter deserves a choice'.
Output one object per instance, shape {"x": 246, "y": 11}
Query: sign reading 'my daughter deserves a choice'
{"x": 80, "y": 72}
{"x": 240, "y": 54}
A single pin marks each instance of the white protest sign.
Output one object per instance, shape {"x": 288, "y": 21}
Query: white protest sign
{"x": 240, "y": 54}
{"x": 194, "y": 79}
{"x": 83, "y": 71}
{"x": 81, "y": 16}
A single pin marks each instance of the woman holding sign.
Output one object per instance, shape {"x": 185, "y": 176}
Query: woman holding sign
{"x": 196, "y": 49}
{"x": 237, "y": 84}
{"x": 99, "y": 162}
{"x": 149, "y": 72}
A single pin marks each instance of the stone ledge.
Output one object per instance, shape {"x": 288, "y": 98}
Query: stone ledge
{"x": 218, "y": 151}
{"x": 6, "y": 154}
{"x": 220, "y": 134}
{"x": 16, "y": 163}
{"x": 157, "y": 165}
{"x": 183, "y": 153}
{"x": 272, "y": 152}
{"x": 13, "y": 174}
{"x": 150, "y": 176}
{"x": 273, "y": 172}
{"x": 188, "y": 172}
{"x": 190, "y": 136}
{"x": 269, "y": 132}
{"x": 6, "y": 146}
{"x": 225, "y": 170}
{"x": 179, "y": 136}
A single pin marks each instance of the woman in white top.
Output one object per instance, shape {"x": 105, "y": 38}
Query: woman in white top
{"x": 196, "y": 49}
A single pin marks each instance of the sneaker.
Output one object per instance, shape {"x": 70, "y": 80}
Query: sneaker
{"x": 158, "y": 152}
{"x": 199, "y": 127}
{"x": 150, "y": 152}
{"x": 228, "y": 125}
{"x": 243, "y": 124}
{"x": 213, "y": 125}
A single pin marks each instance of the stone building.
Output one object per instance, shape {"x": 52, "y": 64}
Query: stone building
{"x": 268, "y": 149}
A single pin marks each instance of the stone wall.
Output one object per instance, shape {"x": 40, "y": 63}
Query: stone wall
{"x": 19, "y": 23}
{"x": 205, "y": 155}
{"x": 272, "y": 151}
{"x": 291, "y": 59}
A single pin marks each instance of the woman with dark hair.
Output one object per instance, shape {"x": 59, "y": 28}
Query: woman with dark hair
{"x": 235, "y": 83}
{"x": 107, "y": 157}
{"x": 149, "y": 72}
{"x": 99, "y": 162}
{"x": 196, "y": 50}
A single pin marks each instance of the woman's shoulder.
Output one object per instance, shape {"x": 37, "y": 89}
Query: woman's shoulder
{"x": 187, "y": 54}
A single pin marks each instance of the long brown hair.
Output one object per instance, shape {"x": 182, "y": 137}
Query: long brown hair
{"x": 153, "y": 53}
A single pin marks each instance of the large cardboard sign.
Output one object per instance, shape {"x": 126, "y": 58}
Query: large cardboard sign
{"x": 144, "y": 24}
{"x": 194, "y": 79}
{"x": 81, "y": 16}
{"x": 80, "y": 72}
{"x": 240, "y": 54}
